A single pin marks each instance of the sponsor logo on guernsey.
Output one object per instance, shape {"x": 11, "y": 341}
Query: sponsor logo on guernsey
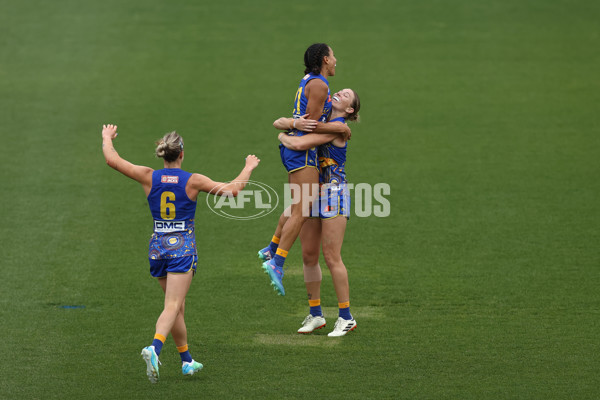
{"x": 169, "y": 179}
{"x": 168, "y": 226}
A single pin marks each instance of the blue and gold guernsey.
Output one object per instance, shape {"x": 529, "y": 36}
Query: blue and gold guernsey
{"x": 334, "y": 196}
{"x": 332, "y": 161}
{"x": 173, "y": 213}
{"x": 295, "y": 160}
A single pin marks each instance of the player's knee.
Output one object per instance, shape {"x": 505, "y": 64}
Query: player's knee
{"x": 332, "y": 258}
{"x": 310, "y": 258}
{"x": 175, "y": 306}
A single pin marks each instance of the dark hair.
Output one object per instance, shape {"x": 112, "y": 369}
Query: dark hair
{"x": 356, "y": 106}
{"x": 313, "y": 57}
{"x": 169, "y": 146}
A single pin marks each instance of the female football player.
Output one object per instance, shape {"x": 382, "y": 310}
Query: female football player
{"x": 171, "y": 194}
{"x": 312, "y": 98}
{"x": 333, "y": 211}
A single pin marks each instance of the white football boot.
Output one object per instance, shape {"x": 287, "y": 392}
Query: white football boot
{"x": 311, "y": 323}
{"x": 342, "y": 326}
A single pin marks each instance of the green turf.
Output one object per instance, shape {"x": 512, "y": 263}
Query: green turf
{"x": 481, "y": 115}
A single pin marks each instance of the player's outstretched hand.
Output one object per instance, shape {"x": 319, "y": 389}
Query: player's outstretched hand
{"x": 305, "y": 125}
{"x": 252, "y": 161}
{"x": 109, "y": 131}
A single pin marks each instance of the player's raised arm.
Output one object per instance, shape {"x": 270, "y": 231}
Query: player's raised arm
{"x": 202, "y": 183}
{"x": 299, "y": 143}
{"x": 136, "y": 172}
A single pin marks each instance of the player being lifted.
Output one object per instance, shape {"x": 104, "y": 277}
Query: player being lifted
{"x": 312, "y": 100}
{"x": 327, "y": 226}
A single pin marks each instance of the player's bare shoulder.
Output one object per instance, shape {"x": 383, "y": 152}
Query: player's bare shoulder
{"x": 316, "y": 86}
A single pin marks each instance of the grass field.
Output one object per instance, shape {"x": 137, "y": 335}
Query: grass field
{"x": 483, "y": 116}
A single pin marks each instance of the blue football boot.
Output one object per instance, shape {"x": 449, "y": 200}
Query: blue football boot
{"x": 276, "y": 275}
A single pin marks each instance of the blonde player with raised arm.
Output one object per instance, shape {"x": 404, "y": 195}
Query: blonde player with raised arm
{"x": 171, "y": 194}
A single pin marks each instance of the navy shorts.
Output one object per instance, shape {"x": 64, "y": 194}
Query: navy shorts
{"x": 177, "y": 265}
{"x": 295, "y": 160}
{"x": 333, "y": 200}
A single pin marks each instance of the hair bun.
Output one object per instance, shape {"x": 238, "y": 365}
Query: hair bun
{"x": 169, "y": 146}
